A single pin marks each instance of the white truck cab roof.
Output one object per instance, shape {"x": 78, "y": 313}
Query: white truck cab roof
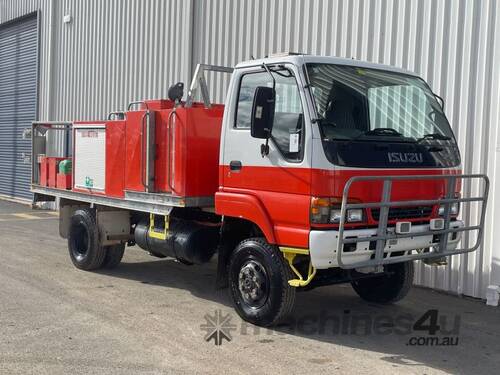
{"x": 300, "y": 59}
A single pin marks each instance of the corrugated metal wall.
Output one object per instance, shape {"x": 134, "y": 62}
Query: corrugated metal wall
{"x": 18, "y": 69}
{"x": 118, "y": 62}
{"x": 12, "y": 9}
{"x": 116, "y": 51}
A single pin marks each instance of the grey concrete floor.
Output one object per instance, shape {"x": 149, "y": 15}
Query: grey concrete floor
{"x": 145, "y": 317}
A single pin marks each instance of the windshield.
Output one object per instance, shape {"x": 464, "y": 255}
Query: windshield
{"x": 357, "y": 105}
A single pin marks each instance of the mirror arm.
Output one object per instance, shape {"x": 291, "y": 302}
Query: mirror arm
{"x": 264, "y": 149}
{"x": 271, "y": 74}
{"x": 441, "y": 100}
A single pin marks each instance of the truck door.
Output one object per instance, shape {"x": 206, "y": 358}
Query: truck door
{"x": 280, "y": 180}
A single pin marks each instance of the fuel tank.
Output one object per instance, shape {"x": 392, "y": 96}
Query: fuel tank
{"x": 186, "y": 240}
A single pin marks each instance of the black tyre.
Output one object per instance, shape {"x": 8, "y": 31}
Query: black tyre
{"x": 85, "y": 250}
{"x": 114, "y": 255}
{"x": 391, "y": 287}
{"x": 258, "y": 279}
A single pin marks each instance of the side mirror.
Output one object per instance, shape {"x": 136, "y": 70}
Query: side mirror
{"x": 261, "y": 123}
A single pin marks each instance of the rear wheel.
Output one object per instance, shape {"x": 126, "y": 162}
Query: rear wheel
{"x": 85, "y": 250}
{"x": 390, "y": 287}
{"x": 114, "y": 255}
{"x": 258, "y": 277}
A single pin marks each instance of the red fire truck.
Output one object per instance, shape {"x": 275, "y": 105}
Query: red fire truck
{"x": 315, "y": 171}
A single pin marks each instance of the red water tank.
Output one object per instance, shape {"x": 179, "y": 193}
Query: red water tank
{"x": 187, "y": 150}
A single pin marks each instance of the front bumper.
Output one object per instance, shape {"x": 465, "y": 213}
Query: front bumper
{"x": 323, "y": 252}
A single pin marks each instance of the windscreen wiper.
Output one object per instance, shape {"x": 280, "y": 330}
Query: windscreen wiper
{"x": 382, "y": 132}
{"x": 434, "y": 136}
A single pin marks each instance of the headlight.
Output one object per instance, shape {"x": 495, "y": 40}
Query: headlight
{"x": 335, "y": 216}
{"x": 355, "y": 215}
{"x": 327, "y": 211}
{"x": 454, "y": 209}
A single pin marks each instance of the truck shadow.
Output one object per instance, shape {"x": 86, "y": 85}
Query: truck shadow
{"x": 336, "y": 315}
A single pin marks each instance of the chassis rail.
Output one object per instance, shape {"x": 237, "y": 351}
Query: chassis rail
{"x": 381, "y": 255}
{"x": 158, "y": 204}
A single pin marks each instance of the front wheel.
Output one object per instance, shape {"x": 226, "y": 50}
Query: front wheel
{"x": 390, "y": 287}
{"x": 258, "y": 277}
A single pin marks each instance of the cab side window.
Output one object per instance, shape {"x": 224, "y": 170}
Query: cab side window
{"x": 288, "y": 127}
{"x": 248, "y": 85}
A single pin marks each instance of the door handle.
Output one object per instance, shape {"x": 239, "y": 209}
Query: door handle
{"x": 235, "y": 166}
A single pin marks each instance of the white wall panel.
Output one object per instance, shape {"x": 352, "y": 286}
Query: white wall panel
{"x": 117, "y": 51}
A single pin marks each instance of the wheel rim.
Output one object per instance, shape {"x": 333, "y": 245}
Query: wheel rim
{"x": 253, "y": 284}
{"x": 80, "y": 242}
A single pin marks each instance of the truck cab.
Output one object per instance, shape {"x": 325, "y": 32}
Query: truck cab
{"x": 343, "y": 165}
{"x": 334, "y": 119}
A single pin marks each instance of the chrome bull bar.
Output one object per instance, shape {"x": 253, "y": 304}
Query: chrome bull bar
{"x": 381, "y": 255}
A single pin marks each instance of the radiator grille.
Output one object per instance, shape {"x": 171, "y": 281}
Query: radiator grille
{"x": 396, "y": 213}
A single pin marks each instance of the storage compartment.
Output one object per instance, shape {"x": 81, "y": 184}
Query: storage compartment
{"x": 115, "y": 158}
{"x": 99, "y": 157}
{"x": 89, "y": 156}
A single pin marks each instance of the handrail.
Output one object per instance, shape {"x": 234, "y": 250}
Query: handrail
{"x": 121, "y": 115}
{"x": 199, "y": 80}
{"x": 143, "y": 130}
{"x": 142, "y": 102}
{"x": 52, "y": 123}
{"x": 170, "y": 133}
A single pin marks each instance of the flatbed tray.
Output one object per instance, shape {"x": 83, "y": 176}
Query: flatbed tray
{"x": 156, "y": 203}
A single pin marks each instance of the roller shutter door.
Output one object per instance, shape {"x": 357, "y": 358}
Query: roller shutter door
{"x": 18, "y": 90}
